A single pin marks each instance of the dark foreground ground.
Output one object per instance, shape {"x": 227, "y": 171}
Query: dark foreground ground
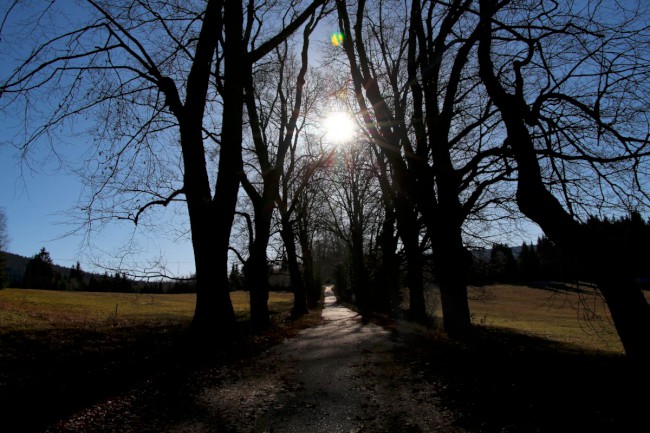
{"x": 396, "y": 377}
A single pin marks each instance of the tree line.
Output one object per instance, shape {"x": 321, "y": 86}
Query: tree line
{"x": 40, "y": 272}
{"x": 547, "y": 262}
{"x": 471, "y": 114}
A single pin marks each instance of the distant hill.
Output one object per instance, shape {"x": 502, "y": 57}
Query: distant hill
{"x": 15, "y": 268}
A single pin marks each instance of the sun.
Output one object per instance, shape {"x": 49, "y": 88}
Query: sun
{"x": 339, "y": 127}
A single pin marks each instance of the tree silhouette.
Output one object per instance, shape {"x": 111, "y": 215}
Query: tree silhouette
{"x": 568, "y": 84}
{"x": 503, "y": 266}
{"x": 236, "y": 278}
{"x": 528, "y": 263}
{"x": 417, "y": 90}
{"x": 165, "y": 82}
{"x": 77, "y": 279}
{"x": 274, "y": 108}
{"x": 4, "y": 241}
{"x": 39, "y": 273}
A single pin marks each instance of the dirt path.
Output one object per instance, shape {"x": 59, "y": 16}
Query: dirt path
{"x": 337, "y": 377}
{"x": 341, "y": 376}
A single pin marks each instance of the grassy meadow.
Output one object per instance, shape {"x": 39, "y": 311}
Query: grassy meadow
{"x": 64, "y": 350}
{"x": 578, "y": 317}
{"x": 29, "y": 310}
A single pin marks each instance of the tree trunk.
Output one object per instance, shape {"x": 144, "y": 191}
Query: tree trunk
{"x": 214, "y": 317}
{"x": 211, "y": 218}
{"x": 407, "y": 227}
{"x": 256, "y": 273}
{"x": 256, "y": 268}
{"x": 359, "y": 273}
{"x": 627, "y": 304}
{"x": 299, "y": 293}
{"x": 311, "y": 285}
{"x": 387, "y": 278}
{"x": 452, "y": 261}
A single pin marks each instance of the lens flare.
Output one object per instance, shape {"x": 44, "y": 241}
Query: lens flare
{"x": 337, "y": 39}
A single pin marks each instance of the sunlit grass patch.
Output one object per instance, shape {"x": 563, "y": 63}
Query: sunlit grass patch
{"x": 22, "y": 309}
{"x": 580, "y": 318}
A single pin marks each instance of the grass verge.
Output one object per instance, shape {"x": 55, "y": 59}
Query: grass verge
{"x": 65, "y": 350}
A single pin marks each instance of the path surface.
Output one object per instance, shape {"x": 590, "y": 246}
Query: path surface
{"x": 327, "y": 359}
{"x": 337, "y": 377}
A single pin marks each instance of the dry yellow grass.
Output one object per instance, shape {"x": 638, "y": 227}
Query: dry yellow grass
{"x": 22, "y": 309}
{"x": 581, "y": 319}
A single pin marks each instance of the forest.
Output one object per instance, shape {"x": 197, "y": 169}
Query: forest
{"x": 388, "y": 149}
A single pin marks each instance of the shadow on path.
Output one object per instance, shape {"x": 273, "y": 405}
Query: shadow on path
{"x": 342, "y": 376}
{"x": 337, "y": 377}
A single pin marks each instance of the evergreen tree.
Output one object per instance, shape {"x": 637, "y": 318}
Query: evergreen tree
{"x": 528, "y": 263}
{"x": 3, "y": 246}
{"x": 502, "y": 263}
{"x": 39, "y": 273}
{"x": 77, "y": 278}
{"x": 236, "y": 278}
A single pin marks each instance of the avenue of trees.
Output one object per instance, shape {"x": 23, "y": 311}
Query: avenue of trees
{"x": 470, "y": 114}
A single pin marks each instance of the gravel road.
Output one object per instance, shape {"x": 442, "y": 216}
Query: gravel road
{"x": 342, "y": 376}
{"x": 339, "y": 377}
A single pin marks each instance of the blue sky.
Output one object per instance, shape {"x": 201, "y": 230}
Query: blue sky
{"x": 37, "y": 204}
{"x": 40, "y": 197}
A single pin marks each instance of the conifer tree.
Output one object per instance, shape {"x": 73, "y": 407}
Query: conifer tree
{"x": 39, "y": 273}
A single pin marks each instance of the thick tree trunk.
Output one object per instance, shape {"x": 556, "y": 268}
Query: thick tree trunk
{"x": 311, "y": 285}
{"x": 210, "y": 218}
{"x": 297, "y": 284}
{"x": 256, "y": 268}
{"x": 627, "y": 304}
{"x": 452, "y": 261}
{"x": 211, "y": 225}
{"x": 387, "y": 278}
{"x": 256, "y": 272}
{"x": 214, "y": 317}
{"x": 444, "y": 222}
{"x": 407, "y": 226}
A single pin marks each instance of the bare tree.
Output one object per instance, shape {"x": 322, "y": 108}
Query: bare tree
{"x": 299, "y": 204}
{"x": 162, "y": 78}
{"x": 355, "y": 212}
{"x": 570, "y": 82}
{"x": 422, "y": 102}
{"x": 275, "y": 119}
